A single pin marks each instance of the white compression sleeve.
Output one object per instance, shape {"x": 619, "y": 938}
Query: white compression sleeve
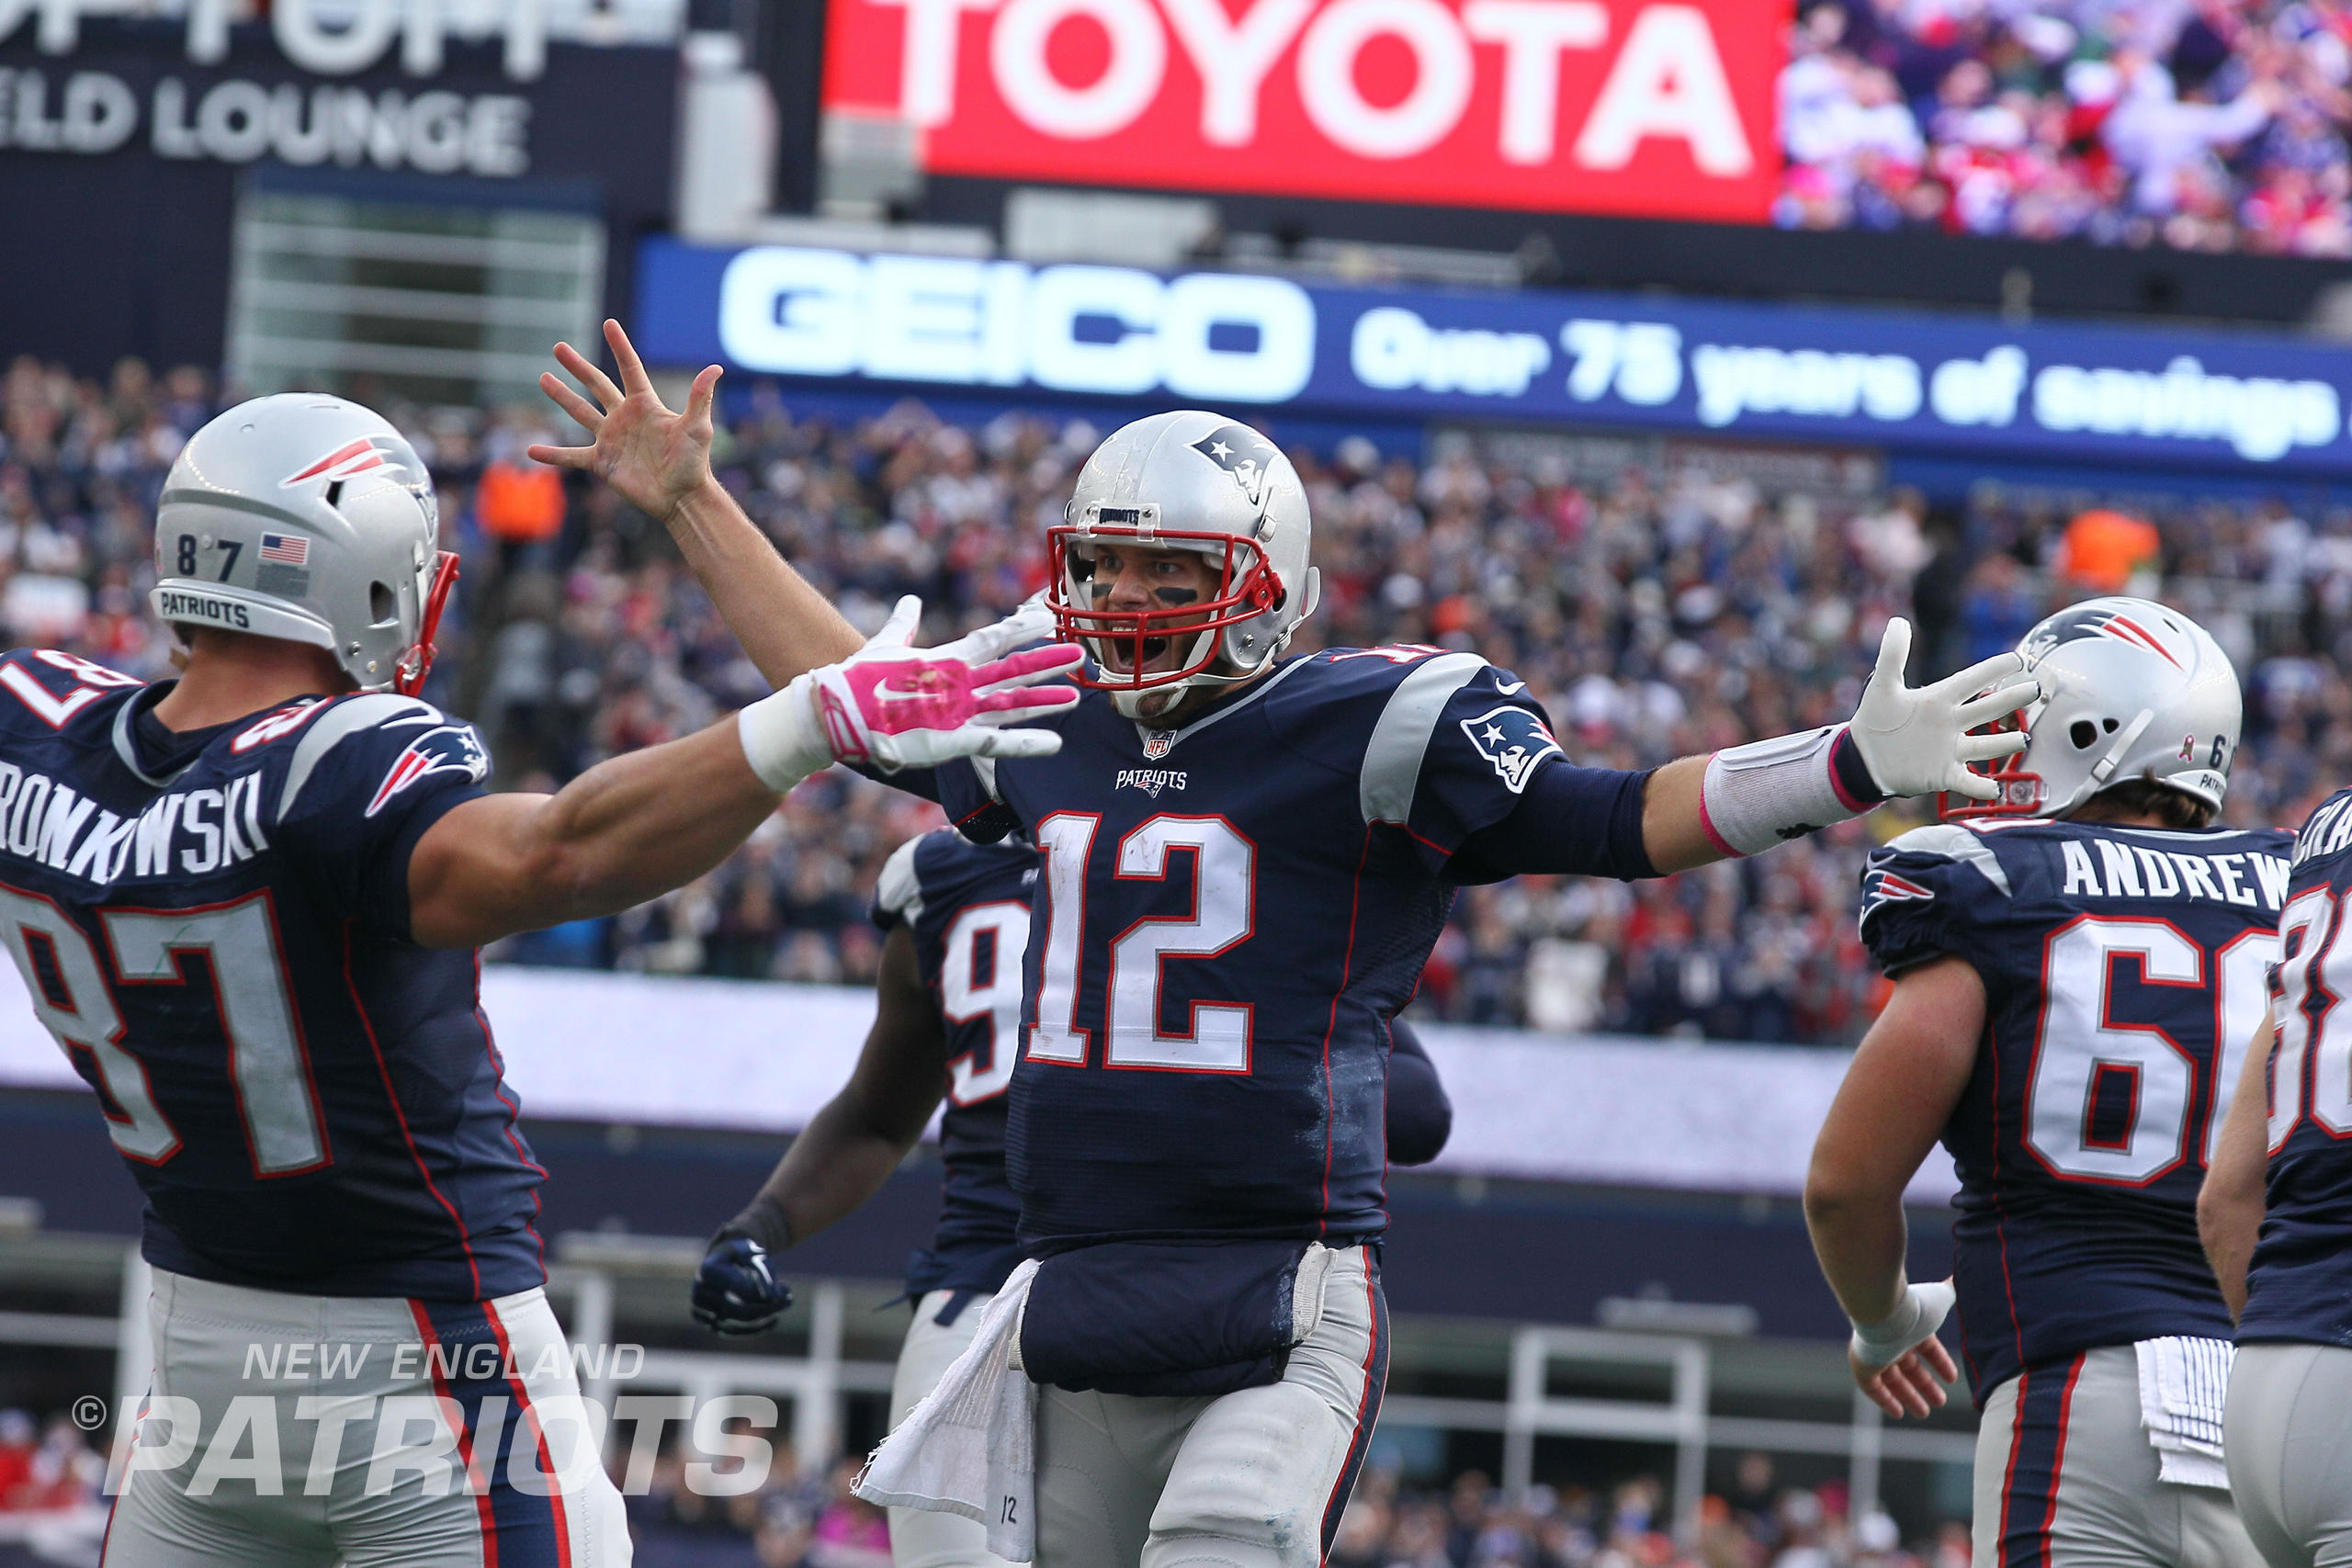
{"x": 1758, "y": 795}
{"x": 782, "y": 739}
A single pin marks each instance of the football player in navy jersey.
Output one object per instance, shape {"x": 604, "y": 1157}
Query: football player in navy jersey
{"x": 1246, "y": 861}
{"x": 948, "y": 1012}
{"x": 2277, "y": 1212}
{"x": 247, "y": 904}
{"x": 2075, "y": 966}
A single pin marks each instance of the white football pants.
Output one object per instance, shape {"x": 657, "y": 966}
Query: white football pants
{"x": 919, "y": 1536}
{"x": 2066, "y": 1478}
{"x": 2288, "y": 1438}
{"x": 1256, "y": 1479}
{"x": 288, "y": 1431}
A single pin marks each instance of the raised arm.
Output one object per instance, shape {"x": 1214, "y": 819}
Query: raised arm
{"x": 641, "y": 824}
{"x": 1899, "y": 1093}
{"x": 2230, "y": 1203}
{"x": 1901, "y": 742}
{"x": 661, "y": 461}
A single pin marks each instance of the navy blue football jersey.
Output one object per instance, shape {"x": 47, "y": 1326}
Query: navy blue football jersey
{"x": 966, "y": 906}
{"x": 2124, "y": 970}
{"x": 214, "y": 926}
{"x": 2300, "y": 1287}
{"x": 1227, "y": 914}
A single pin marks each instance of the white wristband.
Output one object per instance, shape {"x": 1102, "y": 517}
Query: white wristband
{"x": 1921, "y": 1313}
{"x": 1767, "y": 792}
{"x": 782, "y": 739}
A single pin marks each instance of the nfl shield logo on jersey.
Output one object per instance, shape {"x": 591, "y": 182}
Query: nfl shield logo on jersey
{"x": 1158, "y": 743}
{"x": 1514, "y": 740}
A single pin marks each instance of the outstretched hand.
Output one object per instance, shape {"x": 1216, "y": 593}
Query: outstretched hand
{"x": 1918, "y": 740}
{"x": 653, "y": 456}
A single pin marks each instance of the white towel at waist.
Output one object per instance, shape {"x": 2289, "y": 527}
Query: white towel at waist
{"x": 970, "y": 1447}
{"x": 2183, "y": 1384}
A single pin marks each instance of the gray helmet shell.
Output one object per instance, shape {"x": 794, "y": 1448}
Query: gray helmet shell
{"x": 1189, "y": 472}
{"x": 2131, "y": 689}
{"x": 305, "y": 517}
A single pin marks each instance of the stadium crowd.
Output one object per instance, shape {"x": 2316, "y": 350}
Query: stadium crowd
{"x": 1654, "y": 614}
{"x": 2210, "y": 125}
{"x": 813, "y": 1522}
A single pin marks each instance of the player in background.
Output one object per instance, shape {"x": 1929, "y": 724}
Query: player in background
{"x": 2075, "y": 967}
{"x": 946, "y": 1023}
{"x": 2277, "y": 1213}
{"x": 248, "y": 903}
{"x": 1247, "y": 860}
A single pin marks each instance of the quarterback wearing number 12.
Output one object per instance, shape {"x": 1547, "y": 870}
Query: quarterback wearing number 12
{"x": 1245, "y": 859}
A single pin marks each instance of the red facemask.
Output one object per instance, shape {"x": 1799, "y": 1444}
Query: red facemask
{"x": 1246, "y": 587}
{"x": 408, "y": 678}
{"x": 2022, "y": 792}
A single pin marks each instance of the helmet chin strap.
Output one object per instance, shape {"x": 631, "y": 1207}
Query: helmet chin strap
{"x": 1130, "y": 703}
{"x": 2104, "y": 769}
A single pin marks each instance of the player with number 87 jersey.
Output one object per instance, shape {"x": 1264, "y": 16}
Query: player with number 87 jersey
{"x": 2076, "y": 968}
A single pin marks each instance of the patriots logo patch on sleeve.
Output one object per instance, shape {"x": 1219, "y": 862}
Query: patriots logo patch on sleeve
{"x": 447, "y": 749}
{"x": 1514, "y": 741}
{"x": 1883, "y": 887}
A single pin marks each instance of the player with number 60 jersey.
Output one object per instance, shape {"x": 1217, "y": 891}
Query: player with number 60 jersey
{"x": 2076, "y": 969}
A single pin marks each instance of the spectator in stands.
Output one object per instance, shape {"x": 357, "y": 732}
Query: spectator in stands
{"x": 1654, "y": 614}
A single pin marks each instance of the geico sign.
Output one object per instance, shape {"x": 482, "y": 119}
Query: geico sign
{"x": 1621, "y": 105}
{"x": 1073, "y": 328}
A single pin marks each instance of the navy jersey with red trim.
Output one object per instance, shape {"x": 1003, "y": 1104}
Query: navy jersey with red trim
{"x": 214, "y": 926}
{"x": 966, "y": 907}
{"x": 1227, "y": 914}
{"x": 2124, "y": 970}
{"x": 2299, "y": 1286}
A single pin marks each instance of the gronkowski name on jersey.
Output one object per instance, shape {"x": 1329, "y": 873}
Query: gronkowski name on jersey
{"x": 216, "y": 933}
{"x": 2300, "y": 1287}
{"x": 2124, "y": 971}
{"x": 966, "y": 907}
{"x": 1227, "y": 914}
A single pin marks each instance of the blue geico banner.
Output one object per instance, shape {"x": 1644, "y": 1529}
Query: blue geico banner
{"x": 1905, "y": 381}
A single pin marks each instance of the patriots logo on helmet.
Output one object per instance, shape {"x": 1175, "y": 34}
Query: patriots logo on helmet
{"x": 1243, "y": 453}
{"x": 2098, "y": 621}
{"x": 445, "y": 749}
{"x": 351, "y": 458}
{"x": 1514, "y": 741}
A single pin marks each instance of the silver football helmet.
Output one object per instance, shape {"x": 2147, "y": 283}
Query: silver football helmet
{"x": 2130, "y": 690}
{"x": 306, "y": 517}
{"x": 1187, "y": 480}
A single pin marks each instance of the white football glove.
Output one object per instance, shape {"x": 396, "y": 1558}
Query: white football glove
{"x": 1909, "y": 1326}
{"x": 891, "y": 707}
{"x": 1915, "y": 741}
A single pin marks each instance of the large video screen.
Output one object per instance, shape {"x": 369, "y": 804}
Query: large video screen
{"x": 2213, "y": 127}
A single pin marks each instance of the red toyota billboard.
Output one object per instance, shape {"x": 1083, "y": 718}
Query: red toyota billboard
{"x": 1659, "y": 108}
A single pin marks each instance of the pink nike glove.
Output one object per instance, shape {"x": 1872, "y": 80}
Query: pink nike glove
{"x": 891, "y": 707}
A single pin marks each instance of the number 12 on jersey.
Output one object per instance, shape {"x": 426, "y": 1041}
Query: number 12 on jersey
{"x": 1223, "y": 915}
